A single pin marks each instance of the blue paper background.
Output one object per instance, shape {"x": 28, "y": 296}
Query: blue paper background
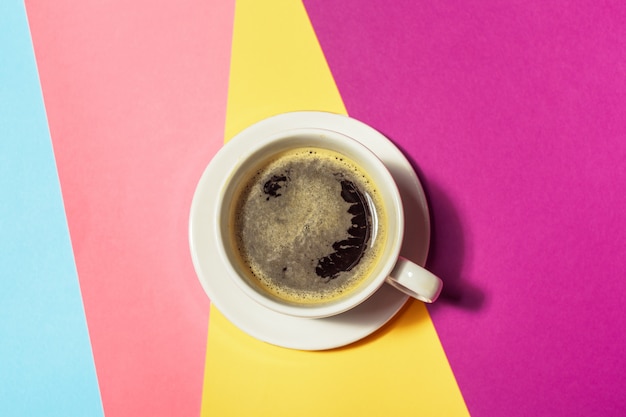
{"x": 46, "y": 363}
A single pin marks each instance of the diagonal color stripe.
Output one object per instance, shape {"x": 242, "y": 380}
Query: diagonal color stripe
{"x": 136, "y": 96}
{"x": 277, "y": 66}
{"x": 46, "y": 364}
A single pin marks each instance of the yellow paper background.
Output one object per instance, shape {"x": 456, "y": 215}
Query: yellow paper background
{"x": 277, "y": 66}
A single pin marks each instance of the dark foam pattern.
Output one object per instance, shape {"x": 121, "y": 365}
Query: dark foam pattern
{"x": 348, "y": 252}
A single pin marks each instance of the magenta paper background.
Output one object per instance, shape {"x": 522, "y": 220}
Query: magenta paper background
{"x": 515, "y": 116}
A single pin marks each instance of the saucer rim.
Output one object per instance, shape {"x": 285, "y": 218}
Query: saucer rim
{"x": 258, "y": 321}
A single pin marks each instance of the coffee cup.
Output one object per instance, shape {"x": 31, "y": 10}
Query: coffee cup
{"x": 309, "y": 223}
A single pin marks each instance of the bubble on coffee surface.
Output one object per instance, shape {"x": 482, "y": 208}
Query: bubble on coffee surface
{"x": 304, "y": 226}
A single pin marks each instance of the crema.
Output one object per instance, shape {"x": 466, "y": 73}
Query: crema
{"x": 307, "y": 226}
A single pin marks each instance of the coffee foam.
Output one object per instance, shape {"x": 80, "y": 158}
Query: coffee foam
{"x": 290, "y": 213}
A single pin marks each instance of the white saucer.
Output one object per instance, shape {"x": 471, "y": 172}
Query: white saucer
{"x": 276, "y": 328}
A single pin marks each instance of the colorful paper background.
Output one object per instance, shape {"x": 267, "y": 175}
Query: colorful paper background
{"x": 514, "y": 115}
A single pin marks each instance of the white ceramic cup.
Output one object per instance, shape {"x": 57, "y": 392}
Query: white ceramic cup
{"x": 389, "y": 268}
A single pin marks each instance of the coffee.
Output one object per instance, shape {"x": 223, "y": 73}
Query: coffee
{"x": 307, "y": 226}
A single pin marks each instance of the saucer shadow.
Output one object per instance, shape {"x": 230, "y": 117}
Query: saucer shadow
{"x": 448, "y": 249}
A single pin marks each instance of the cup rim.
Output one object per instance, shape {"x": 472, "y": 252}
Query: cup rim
{"x": 287, "y": 139}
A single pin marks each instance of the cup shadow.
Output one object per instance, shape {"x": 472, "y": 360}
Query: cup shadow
{"x": 448, "y": 249}
{"x": 447, "y": 253}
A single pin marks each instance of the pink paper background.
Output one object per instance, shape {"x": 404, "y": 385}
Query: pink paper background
{"x": 135, "y": 94}
{"x": 514, "y": 114}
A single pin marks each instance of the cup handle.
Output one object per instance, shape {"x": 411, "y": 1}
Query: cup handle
{"x": 415, "y": 281}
